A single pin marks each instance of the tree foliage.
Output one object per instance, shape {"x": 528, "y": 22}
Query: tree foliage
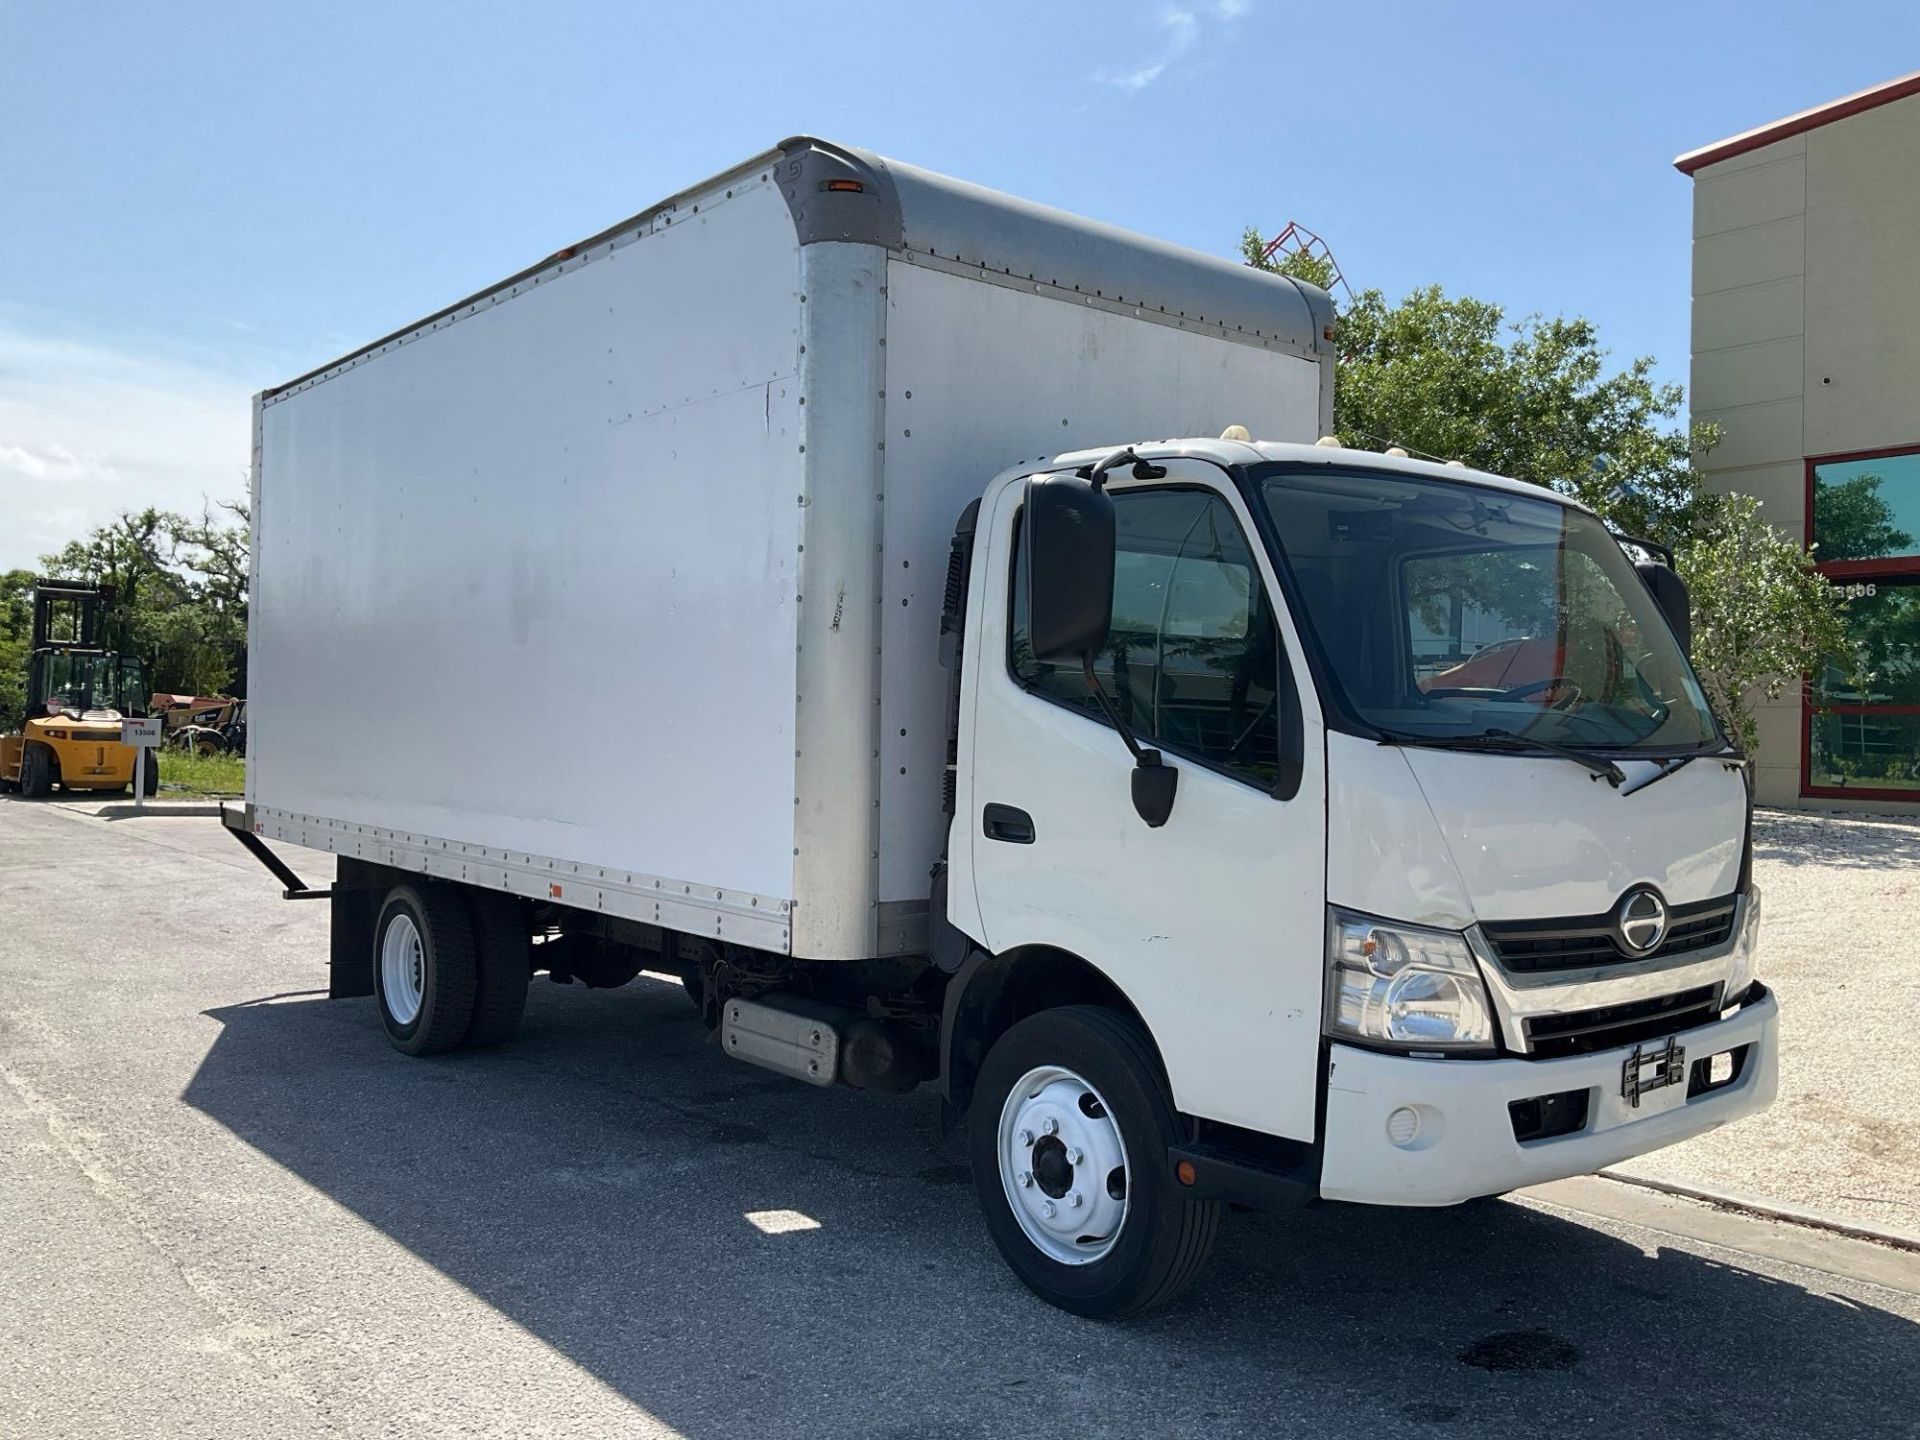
{"x": 16, "y": 634}
{"x": 1450, "y": 377}
{"x": 1763, "y": 619}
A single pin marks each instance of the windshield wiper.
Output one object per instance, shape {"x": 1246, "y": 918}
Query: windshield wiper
{"x": 1602, "y": 768}
{"x": 1680, "y": 762}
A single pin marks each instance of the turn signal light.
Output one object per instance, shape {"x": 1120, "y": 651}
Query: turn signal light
{"x": 852, "y": 187}
{"x": 1185, "y": 1173}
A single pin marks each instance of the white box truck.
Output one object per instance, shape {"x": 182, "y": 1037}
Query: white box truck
{"x": 780, "y": 591}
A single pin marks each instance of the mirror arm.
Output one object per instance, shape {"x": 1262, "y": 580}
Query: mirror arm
{"x": 1096, "y": 474}
{"x": 1154, "y": 781}
{"x": 1113, "y": 715}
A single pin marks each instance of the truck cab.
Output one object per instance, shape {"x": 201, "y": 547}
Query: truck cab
{"x": 1397, "y": 929}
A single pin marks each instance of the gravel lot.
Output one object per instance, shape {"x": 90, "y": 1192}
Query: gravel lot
{"x": 1837, "y": 942}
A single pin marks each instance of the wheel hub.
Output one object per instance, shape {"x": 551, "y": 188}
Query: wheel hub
{"x": 1063, "y": 1165}
{"x": 403, "y": 965}
{"x": 1051, "y": 1168}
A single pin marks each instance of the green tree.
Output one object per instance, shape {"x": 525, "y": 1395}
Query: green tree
{"x": 1763, "y": 619}
{"x": 1450, "y": 377}
{"x": 16, "y": 634}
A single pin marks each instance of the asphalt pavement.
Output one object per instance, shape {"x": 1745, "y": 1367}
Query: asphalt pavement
{"x": 229, "y": 1209}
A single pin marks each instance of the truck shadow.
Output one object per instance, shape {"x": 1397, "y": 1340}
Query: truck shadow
{"x": 594, "y": 1182}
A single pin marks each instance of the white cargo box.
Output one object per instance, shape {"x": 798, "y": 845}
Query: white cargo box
{"x": 620, "y": 583}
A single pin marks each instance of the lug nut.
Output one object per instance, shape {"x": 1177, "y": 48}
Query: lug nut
{"x": 1049, "y": 1126}
{"x": 1023, "y": 1179}
{"x": 1046, "y": 1209}
{"x": 1026, "y": 1137}
{"x": 1073, "y": 1201}
{"x": 1075, "y": 1155}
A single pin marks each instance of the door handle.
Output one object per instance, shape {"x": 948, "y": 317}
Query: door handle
{"x": 1003, "y": 822}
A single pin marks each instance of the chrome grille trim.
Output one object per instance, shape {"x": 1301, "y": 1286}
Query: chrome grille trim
{"x": 1518, "y": 998}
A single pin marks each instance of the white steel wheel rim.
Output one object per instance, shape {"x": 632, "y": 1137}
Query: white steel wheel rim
{"x": 1066, "y": 1206}
{"x": 403, "y": 969}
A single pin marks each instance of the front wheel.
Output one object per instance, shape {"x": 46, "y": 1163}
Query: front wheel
{"x": 36, "y": 773}
{"x": 1068, "y": 1134}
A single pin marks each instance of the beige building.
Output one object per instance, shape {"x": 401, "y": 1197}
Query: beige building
{"x": 1806, "y": 352}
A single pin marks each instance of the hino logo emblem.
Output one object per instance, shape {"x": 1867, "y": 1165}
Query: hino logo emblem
{"x": 1641, "y": 921}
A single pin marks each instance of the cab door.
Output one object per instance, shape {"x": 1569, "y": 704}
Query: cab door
{"x": 1213, "y": 923}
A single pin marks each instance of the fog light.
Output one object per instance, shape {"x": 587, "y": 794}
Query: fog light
{"x": 1403, "y": 1125}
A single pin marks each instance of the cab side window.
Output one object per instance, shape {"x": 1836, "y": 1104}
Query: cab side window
{"x": 1193, "y": 659}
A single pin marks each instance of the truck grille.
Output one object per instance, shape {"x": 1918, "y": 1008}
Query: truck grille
{"x": 1525, "y": 947}
{"x": 1582, "y": 1032}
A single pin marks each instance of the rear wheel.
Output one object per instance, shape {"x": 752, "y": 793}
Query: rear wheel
{"x": 150, "y": 785}
{"x": 36, "y": 773}
{"x": 424, "y": 967}
{"x": 503, "y": 970}
{"x": 1068, "y": 1134}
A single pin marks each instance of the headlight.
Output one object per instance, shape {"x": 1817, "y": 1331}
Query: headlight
{"x": 1404, "y": 985}
{"x": 1741, "y": 979}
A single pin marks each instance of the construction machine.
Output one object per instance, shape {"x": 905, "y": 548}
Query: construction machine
{"x": 79, "y": 689}
{"x": 202, "y": 724}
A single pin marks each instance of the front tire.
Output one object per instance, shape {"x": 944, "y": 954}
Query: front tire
{"x": 1068, "y": 1134}
{"x": 36, "y": 773}
{"x": 424, "y": 968}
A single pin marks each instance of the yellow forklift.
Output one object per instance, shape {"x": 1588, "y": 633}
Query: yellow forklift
{"x": 78, "y": 691}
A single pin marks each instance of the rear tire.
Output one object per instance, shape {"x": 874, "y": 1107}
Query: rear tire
{"x": 36, "y": 773}
{"x": 1090, "y": 1073}
{"x": 424, "y": 967}
{"x": 505, "y": 965}
{"x": 150, "y": 786}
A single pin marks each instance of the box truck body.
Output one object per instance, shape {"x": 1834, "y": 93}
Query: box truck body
{"x": 786, "y": 590}
{"x": 638, "y": 557}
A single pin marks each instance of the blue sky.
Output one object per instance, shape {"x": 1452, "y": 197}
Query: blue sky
{"x": 198, "y": 199}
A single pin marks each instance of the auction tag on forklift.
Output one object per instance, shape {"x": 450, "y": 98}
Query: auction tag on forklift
{"x": 144, "y": 733}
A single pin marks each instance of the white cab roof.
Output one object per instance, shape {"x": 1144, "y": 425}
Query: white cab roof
{"x": 1241, "y": 452}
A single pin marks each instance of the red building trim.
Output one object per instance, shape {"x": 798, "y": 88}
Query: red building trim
{"x": 1869, "y": 99}
{"x": 1894, "y": 568}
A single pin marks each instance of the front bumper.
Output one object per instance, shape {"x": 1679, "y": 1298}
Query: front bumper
{"x": 1464, "y": 1144}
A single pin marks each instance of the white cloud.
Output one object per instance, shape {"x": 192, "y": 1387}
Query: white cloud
{"x": 87, "y": 431}
{"x": 1180, "y": 30}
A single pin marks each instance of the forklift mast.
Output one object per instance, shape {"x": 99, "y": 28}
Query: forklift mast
{"x": 66, "y": 614}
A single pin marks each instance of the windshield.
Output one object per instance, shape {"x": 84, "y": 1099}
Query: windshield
{"x": 1445, "y": 610}
{"x": 74, "y": 683}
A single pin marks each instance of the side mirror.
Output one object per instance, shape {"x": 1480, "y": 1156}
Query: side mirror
{"x": 1070, "y": 537}
{"x": 1068, "y": 530}
{"x": 1669, "y": 592}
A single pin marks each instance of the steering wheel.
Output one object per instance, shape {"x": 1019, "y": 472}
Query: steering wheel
{"x": 1552, "y": 682}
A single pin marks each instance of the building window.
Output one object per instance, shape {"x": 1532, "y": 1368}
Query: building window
{"x": 1865, "y": 508}
{"x": 1862, "y": 732}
